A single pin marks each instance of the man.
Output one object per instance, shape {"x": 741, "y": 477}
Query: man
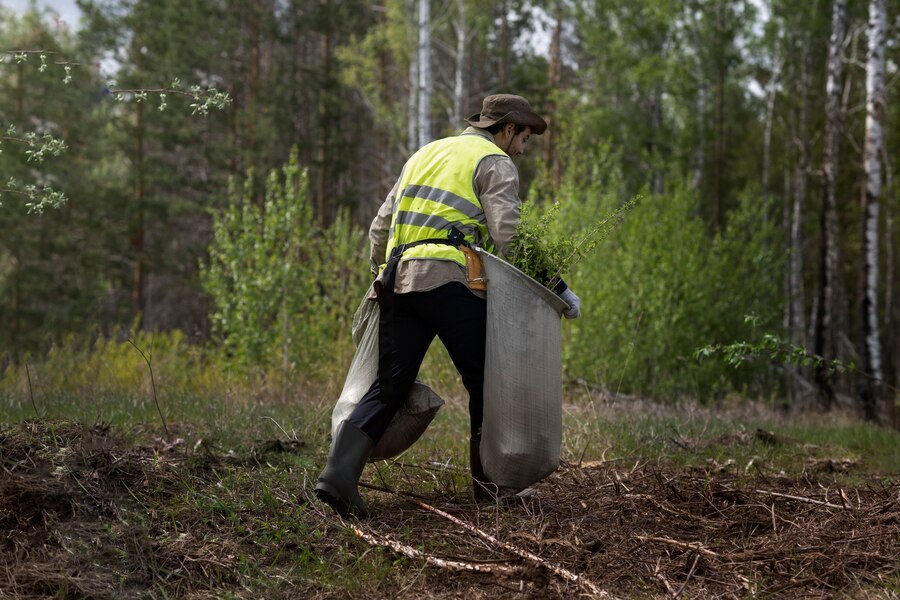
{"x": 456, "y": 191}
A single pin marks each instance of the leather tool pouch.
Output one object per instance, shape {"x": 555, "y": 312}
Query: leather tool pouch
{"x": 474, "y": 271}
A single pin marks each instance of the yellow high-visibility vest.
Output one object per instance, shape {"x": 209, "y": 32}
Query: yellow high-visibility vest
{"x": 437, "y": 191}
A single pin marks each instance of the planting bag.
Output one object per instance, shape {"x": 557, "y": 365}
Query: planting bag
{"x": 417, "y": 412}
{"x": 521, "y": 434}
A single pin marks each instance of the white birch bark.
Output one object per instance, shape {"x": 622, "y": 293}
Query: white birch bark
{"x": 875, "y": 112}
{"x": 412, "y": 115}
{"x": 458, "y": 91}
{"x": 424, "y": 72}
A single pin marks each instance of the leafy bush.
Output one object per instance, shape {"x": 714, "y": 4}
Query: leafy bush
{"x": 663, "y": 287}
{"x": 660, "y": 286}
{"x": 284, "y": 288}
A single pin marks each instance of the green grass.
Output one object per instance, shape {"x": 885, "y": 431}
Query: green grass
{"x": 225, "y": 498}
{"x": 747, "y": 438}
{"x": 203, "y": 401}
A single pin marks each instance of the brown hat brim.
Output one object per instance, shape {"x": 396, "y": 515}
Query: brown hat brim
{"x": 519, "y": 117}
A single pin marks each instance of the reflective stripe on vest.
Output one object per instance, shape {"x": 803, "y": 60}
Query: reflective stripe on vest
{"x": 437, "y": 191}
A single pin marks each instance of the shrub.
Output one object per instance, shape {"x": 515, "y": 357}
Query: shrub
{"x": 284, "y": 288}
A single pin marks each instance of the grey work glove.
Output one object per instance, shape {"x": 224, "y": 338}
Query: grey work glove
{"x": 574, "y": 310}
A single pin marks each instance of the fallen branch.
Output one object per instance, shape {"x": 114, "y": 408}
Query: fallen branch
{"x": 689, "y": 575}
{"x": 695, "y": 546}
{"x": 657, "y": 574}
{"x": 453, "y": 565}
{"x": 803, "y": 499}
{"x": 560, "y": 571}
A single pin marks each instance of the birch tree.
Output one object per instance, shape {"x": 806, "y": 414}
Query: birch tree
{"x": 797, "y": 322}
{"x": 701, "y": 100}
{"x": 796, "y": 203}
{"x": 824, "y": 317}
{"x": 771, "y": 92}
{"x": 870, "y": 347}
{"x": 412, "y": 114}
{"x": 460, "y": 62}
{"x": 424, "y": 72}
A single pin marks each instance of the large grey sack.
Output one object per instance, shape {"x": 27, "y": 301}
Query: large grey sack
{"x": 522, "y": 429}
{"x": 417, "y": 412}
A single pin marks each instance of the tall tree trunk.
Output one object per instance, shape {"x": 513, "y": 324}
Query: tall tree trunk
{"x": 824, "y": 334}
{"x": 412, "y": 115}
{"x": 891, "y": 338}
{"x": 875, "y": 113}
{"x": 16, "y": 266}
{"x": 137, "y": 239}
{"x": 719, "y": 121}
{"x": 702, "y": 91}
{"x": 253, "y": 73}
{"x": 137, "y": 242}
{"x": 797, "y": 324}
{"x": 793, "y": 372}
{"x": 424, "y": 72}
{"x": 767, "y": 134}
{"x": 459, "y": 72}
{"x": 322, "y": 193}
{"x": 504, "y": 44}
{"x": 554, "y": 75}
{"x": 385, "y": 174}
{"x": 235, "y": 162}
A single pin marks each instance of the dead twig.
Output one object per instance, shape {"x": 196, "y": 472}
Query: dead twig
{"x": 454, "y": 565}
{"x": 387, "y": 490}
{"x": 696, "y": 547}
{"x": 657, "y": 574}
{"x": 805, "y": 500}
{"x": 560, "y": 571}
{"x": 689, "y": 575}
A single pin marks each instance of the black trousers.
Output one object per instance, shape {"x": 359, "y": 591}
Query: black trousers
{"x": 456, "y": 316}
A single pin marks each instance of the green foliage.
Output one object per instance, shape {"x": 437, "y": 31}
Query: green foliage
{"x": 771, "y": 347}
{"x": 546, "y": 259}
{"x": 284, "y": 288}
{"x": 661, "y": 287}
{"x": 39, "y": 147}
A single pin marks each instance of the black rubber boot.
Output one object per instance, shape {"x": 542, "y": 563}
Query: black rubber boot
{"x": 336, "y": 486}
{"x": 482, "y": 488}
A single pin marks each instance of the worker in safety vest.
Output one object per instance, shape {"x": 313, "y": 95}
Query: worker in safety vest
{"x": 461, "y": 190}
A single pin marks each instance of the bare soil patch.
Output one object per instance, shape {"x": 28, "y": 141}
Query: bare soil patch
{"x": 85, "y": 515}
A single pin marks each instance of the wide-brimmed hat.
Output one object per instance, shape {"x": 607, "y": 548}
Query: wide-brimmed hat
{"x": 507, "y": 108}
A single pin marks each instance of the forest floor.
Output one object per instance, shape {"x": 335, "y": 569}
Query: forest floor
{"x": 87, "y": 513}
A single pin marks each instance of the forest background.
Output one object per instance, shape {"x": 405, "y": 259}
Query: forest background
{"x": 225, "y": 237}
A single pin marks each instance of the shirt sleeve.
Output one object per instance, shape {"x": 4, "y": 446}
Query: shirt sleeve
{"x": 497, "y": 186}
{"x": 380, "y": 229}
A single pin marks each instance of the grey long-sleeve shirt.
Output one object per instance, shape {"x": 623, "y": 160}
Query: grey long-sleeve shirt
{"x": 496, "y": 182}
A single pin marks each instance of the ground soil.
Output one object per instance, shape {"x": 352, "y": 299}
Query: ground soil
{"x": 84, "y": 514}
